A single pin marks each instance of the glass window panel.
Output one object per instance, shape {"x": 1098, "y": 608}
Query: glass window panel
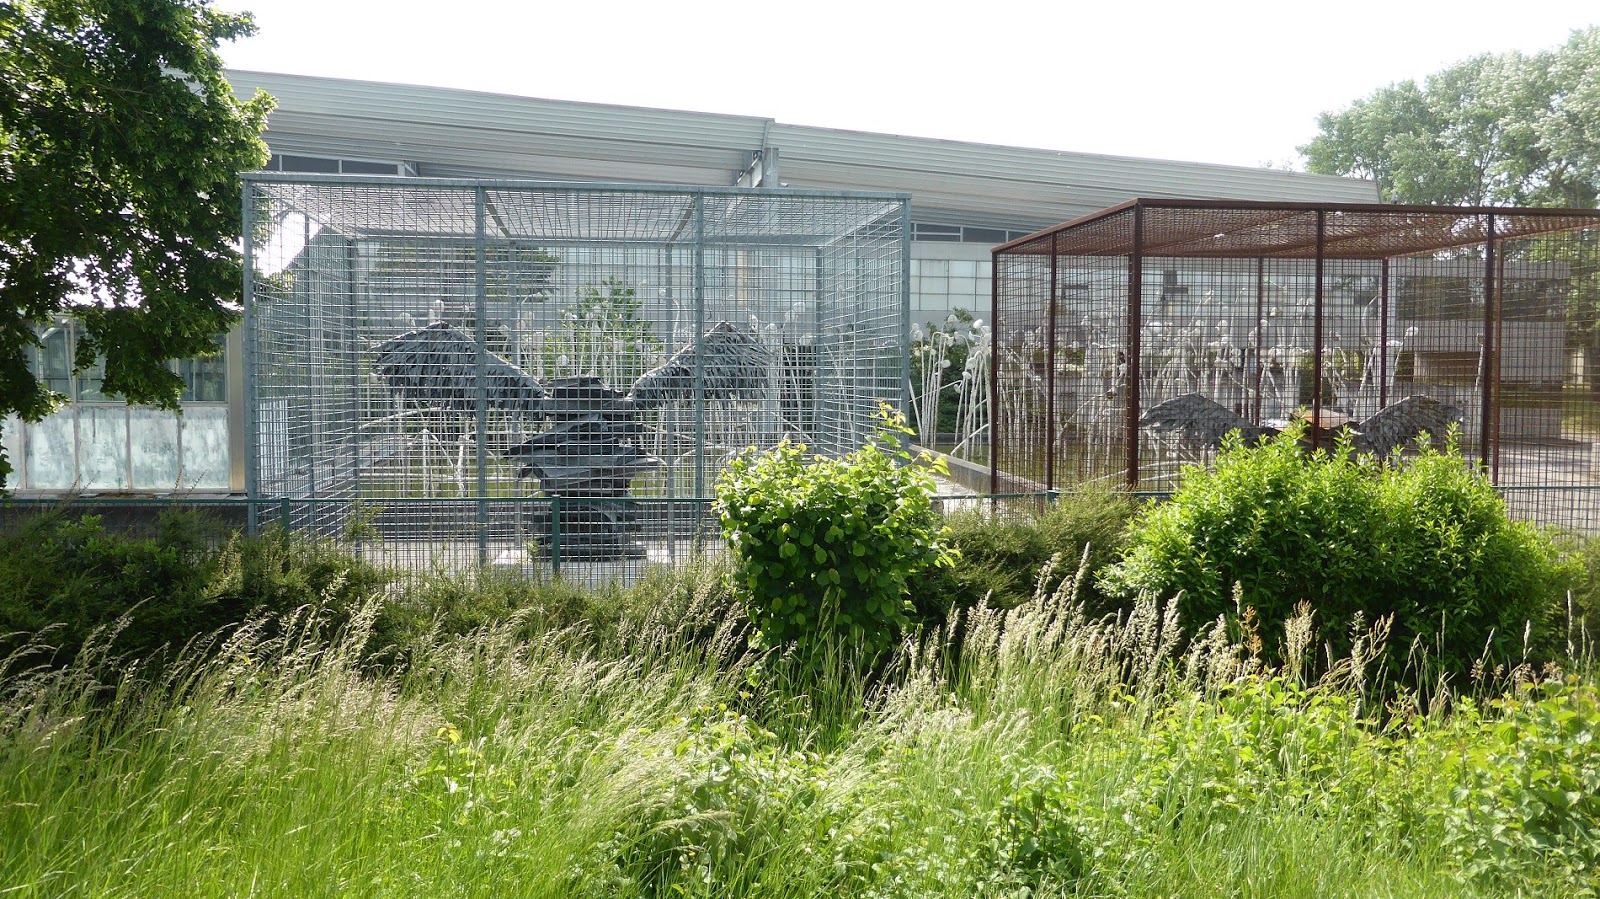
{"x": 154, "y": 446}
{"x": 103, "y": 447}
{"x": 205, "y": 448}
{"x": 963, "y": 268}
{"x": 91, "y": 384}
{"x": 984, "y": 235}
{"x": 11, "y": 438}
{"x": 309, "y": 164}
{"x": 52, "y": 462}
{"x": 55, "y": 359}
{"x": 356, "y": 167}
{"x": 205, "y": 379}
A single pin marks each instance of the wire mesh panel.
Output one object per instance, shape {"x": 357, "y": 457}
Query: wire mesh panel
{"x": 1372, "y": 323}
{"x": 479, "y": 373}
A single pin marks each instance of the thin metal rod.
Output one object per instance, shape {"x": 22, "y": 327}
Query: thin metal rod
{"x": 1486, "y": 427}
{"x": 313, "y": 371}
{"x": 1135, "y": 323}
{"x": 1316, "y": 334}
{"x": 905, "y": 313}
{"x": 1050, "y": 370}
{"x": 480, "y": 265}
{"x": 1383, "y": 335}
{"x": 699, "y": 357}
{"x": 252, "y": 424}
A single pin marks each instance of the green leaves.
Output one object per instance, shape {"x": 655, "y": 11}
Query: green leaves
{"x": 1425, "y": 540}
{"x": 121, "y": 145}
{"x": 823, "y": 548}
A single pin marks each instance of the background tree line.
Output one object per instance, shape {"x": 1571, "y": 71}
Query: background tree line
{"x": 1504, "y": 128}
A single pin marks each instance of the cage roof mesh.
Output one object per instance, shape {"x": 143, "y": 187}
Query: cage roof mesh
{"x": 567, "y": 212}
{"x": 1237, "y": 229}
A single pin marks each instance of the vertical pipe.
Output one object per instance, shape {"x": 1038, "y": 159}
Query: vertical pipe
{"x": 816, "y": 346}
{"x": 1135, "y": 323}
{"x": 699, "y": 332}
{"x": 555, "y": 536}
{"x": 994, "y": 372}
{"x": 481, "y": 374}
{"x": 1050, "y": 370}
{"x": 905, "y": 311}
{"x": 1383, "y": 334}
{"x": 313, "y": 370}
{"x": 1316, "y": 332}
{"x": 1489, "y": 363}
{"x": 670, "y": 416}
{"x": 252, "y": 445}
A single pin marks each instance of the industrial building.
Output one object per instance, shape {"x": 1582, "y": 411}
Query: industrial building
{"x": 965, "y": 198}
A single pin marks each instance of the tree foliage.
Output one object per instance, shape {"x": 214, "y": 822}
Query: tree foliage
{"x": 121, "y": 145}
{"x": 1499, "y": 128}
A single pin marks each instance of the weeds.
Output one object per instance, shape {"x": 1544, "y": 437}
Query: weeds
{"x": 1030, "y": 751}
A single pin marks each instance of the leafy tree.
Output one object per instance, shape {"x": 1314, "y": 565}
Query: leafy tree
{"x": 1499, "y": 128}
{"x": 121, "y": 145}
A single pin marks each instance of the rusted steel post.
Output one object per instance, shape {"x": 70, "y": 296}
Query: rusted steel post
{"x": 994, "y": 372}
{"x": 1489, "y": 363}
{"x": 1499, "y": 354}
{"x": 1050, "y": 371}
{"x": 1254, "y": 412}
{"x": 1131, "y": 366}
{"x": 1383, "y": 334}
{"x": 1316, "y": 333}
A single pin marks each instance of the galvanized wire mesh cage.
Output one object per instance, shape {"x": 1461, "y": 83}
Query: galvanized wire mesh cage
{"x": 514, "y": 373}
{"x": 1128, "y": 341}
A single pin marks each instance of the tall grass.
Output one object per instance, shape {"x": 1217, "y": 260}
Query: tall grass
{"x": 1024, "y": 752}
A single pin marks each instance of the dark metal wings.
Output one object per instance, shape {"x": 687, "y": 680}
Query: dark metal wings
{"x": 436, "y": 367}
{"x": 733, "y": 364}
{"x": 1400, "y": 423}
{"x": 1203, "y": 421}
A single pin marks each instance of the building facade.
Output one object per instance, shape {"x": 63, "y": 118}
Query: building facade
{"x": 966, "y": 198}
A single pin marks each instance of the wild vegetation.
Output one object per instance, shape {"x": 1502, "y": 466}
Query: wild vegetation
{"x": 363, "y": 735}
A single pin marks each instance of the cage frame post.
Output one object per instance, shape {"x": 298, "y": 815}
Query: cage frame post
{"x": 252, "y": 424}
{"x": 1131, "y": 368}
{"x": 1486, "y": 426}
{"x": 1318, "y": 314}
{"x": 481, "y": 365}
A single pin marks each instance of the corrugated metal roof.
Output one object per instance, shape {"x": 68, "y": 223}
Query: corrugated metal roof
{"x": 470, "y": 133}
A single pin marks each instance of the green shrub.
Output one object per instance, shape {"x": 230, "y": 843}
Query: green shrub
{"x": 823, "y": 548}
{"x": 1001, "y": 555}
{"x": 1425, "y": 540}
{"x": 70, "y": 576}
{"x": 74, "y": 577}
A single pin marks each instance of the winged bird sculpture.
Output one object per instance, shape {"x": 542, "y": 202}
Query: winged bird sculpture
{"x": 1203, "y": 421}
{"x": 594, "y": 446}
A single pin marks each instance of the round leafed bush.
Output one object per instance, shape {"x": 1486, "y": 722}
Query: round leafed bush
{"x": 823, "y": 547}
{"x": 1424, "y": 539}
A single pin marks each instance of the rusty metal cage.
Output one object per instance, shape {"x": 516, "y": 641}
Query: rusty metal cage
{"x": 461, "y": 373}
{"x": 1262, "y": 312}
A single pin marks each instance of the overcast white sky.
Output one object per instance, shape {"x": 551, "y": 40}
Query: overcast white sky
{"x": 1228, "y": 82}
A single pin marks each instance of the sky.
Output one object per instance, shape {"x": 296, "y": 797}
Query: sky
{"x": 1237, "y": 83}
